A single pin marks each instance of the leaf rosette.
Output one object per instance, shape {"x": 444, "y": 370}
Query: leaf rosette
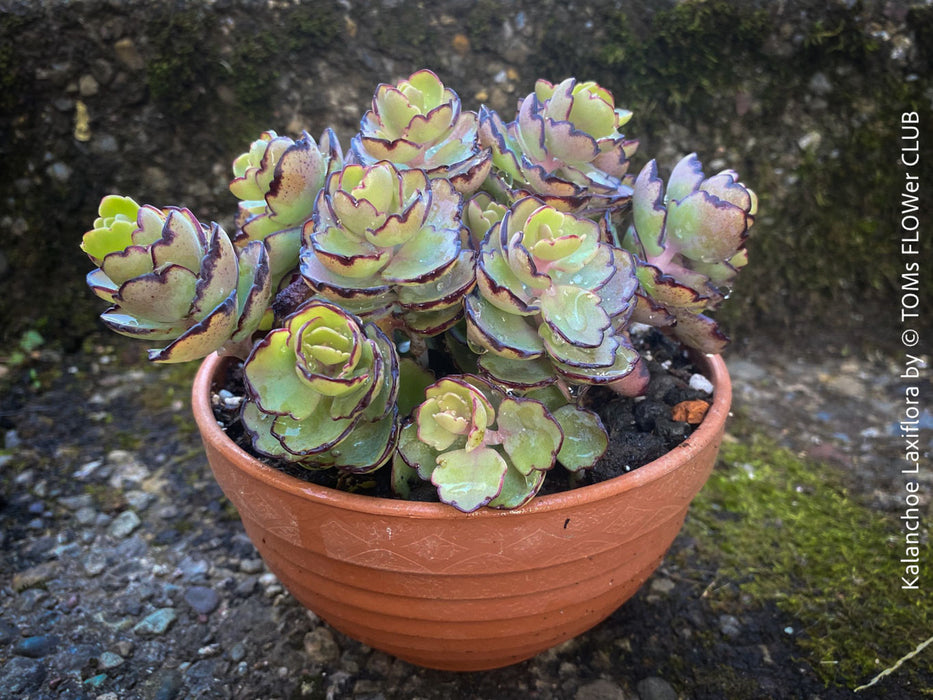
{"x": 277, "y": 181}
{"x": 551, "y": 297}
{"x": 322, "y": 391}
{"x": 564, "y": 147}
{"x": 689, "y": 244}
{"x": 420, "y": 124}
{"x": 479, "y": 447}
{"x": 171, "y": 278}
{"x": 388, "y": 244}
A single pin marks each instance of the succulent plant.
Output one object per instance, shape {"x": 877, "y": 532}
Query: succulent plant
{"x": 389, "y": 245}
{"x": 419, "y": 124}
{"x": 689, "y": 244}
{"x": 527, "y": 244}
{"x": 278, "y": 180}
{"x": 171, "y": 278}
{"x": 322, "y": 391}
{"x": 564, "y": 147}
{"x": 479, "y": 446}
{"x": 551, "y": 297}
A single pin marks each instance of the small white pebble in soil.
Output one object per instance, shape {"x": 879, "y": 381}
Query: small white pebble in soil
{"x": 701, "y": 383}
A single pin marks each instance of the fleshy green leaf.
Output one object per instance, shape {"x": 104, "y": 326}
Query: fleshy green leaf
{"x": 529, "y": 434}
{"x": 469, "y": 480}
{"x": 585, "y": 438}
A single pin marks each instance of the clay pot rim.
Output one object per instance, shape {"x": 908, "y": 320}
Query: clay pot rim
{"x": 712, "y": 366}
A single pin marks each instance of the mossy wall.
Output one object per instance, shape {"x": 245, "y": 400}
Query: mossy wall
{"x": 155, "y": 99}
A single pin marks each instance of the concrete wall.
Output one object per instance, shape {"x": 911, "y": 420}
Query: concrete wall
{"x": 155, "y": 99}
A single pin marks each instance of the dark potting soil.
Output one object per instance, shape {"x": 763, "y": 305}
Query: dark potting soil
{"x": 640, "y": 429}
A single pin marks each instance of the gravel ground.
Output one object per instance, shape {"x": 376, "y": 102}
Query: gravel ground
{"x": 125, "y": 573}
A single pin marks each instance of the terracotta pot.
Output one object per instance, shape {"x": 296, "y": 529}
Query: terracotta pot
{"x": 447, "y": 590}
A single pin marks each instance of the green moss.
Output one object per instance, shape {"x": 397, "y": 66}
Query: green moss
{"x": 184, "y": 60}
{"x": 689, "y": 53}
{"x": 788, "y": 533}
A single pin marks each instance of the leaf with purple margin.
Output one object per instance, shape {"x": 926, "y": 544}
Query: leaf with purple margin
{"x": 518, "y": 489}
{"x": 585, "y": 438}
{"x": 707, "y": 229}
{"x": 204, "y": 337}
{"x": 162, "y": 295}
{"x": 685, "y": 178}
{"x": 648, "y": 211}
{"x": 469, "y": 480}
{"x": 270, "y": 375}
{"x": 530, "y": 435}
{"x": 503, "y": 333}
{"x": 575, "y": 314}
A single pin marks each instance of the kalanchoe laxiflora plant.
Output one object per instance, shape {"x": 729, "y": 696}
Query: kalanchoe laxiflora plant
{"x": 171, "y": 278}
{"x": 690, "y": 245}
{"x": 436, "y": 303}
{"x": 419, "y": 124}
{"x": 389, "y": 245}
{"x": 322, "y": 390}
{"x": 564, "y": 147}
{"x": 277, "y": 181}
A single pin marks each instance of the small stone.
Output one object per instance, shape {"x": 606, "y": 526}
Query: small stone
{"x": 601, "y": 689}
{"x": 21, "y": 676}
{"x": 251, "y": 566}
{"x": 238, "y": 652}
{"x": 124, "y": 525}
{"x": 268, "y": 579}
{"x": 701, "y": 383}
{"x": 96, "y": 681}
{"x": 88, "y": 85}
{"x": 8, "y": 632}
{"x": 729, "y": 626}
{"x": 85, "y": 516}
{"x": 128, "y": 55}
{"x": 202, "y": 599}
{"x": 691, "y": 412}
{"x": 190, "y": 568}
{"x": 75, "y": 503}
{"x": 87, "y": 469}
{"x": 461, "y": 44}
{"x": 104, "y": 144}
{"x": 109, "y": 660}
{"x": 209, "y": 651}
{"x": 662, "y": 585}
{"x": 35, "y": 647}
{"x": 246, "y": 587}
{"x": 156, "y": 623}
{"x": 810, "y": 141}
{"x": 654, "y": 688}
{"x": 94, "y": 563}
{"x": 59, "y": 171}
{"x": 139, "y": 500}
{"x": 165, "y": 684}
{"x": 126, "y": 469}
{"x": 34, "y": 576}
{"x": 320, "y": 646}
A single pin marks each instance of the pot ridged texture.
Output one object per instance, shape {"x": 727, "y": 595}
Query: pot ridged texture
{"x": 449, "y": 591}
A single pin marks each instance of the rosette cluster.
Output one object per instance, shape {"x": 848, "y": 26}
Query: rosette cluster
{"x": 689, "y": 244}
{"x": 419, "y": 123}
{"x": 278, "y": 180}
{"x": 171, "y": 278}
{"x": 388, "y": 244}
{"x": 480, "y": 447}
{"x": 322, "y": 391}
{"x": 564, "y": 147}
{"x": 551, "y": 297}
